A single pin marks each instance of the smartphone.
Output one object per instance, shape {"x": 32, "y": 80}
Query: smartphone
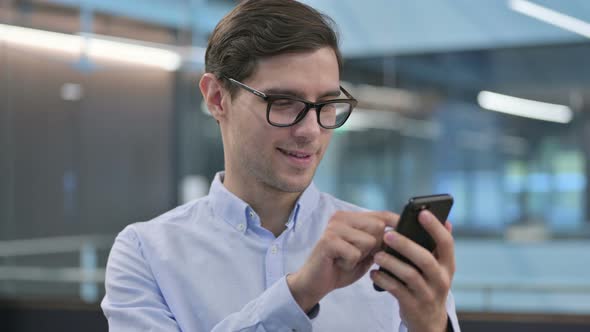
{"x": 408, "y": 225}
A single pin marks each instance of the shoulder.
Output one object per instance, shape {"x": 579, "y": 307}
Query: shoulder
{"x": 186, "y": 215}
{"x": 329, "y": 201}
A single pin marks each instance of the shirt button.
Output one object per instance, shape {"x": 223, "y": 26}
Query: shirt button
{"x": 241, "y": 227}
{"x": 274, "y": 250}
{"x": 251, "y": 213}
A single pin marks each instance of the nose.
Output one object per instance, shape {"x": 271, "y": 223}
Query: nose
{"x": 308, "y": 128}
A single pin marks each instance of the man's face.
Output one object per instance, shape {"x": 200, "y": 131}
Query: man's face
{"x": 283, "y": 159}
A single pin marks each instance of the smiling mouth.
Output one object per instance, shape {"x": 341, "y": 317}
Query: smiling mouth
{"x": 298, "y": 155}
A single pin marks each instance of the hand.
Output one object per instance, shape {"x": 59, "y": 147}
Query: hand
{"x": 343, "y": 255}
{"x": 423, "y": 299}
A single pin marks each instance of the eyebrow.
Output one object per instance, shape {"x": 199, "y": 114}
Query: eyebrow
{"x": 298, "y": 94}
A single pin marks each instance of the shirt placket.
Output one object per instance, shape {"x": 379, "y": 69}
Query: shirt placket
{"x": 274, "y": 256}
{"x": 274, "y": 261}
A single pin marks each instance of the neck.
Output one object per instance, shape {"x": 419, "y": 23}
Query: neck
{"x": 272, "y": 206}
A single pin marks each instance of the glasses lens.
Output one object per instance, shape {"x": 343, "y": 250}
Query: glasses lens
{"x": 334, "y": 114}
{"x": 285, "y": 111}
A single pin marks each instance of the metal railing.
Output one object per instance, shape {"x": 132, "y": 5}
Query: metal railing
{"x": 88, "y": 274}
{"x": 487, "y": 291}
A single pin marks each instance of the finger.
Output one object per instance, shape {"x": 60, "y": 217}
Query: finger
{"x": 347, "y": 256}
{"x": 445, "y": 245}
{"x": 449, "y": 226}
{"x": 370, "y": 222}
{"x": 365, "y": 242}
{"x": 413, "y": 279}
{"x": 391, "y": 219}
{"x": 418, "y": 255}
{"x": 394, "y": 287}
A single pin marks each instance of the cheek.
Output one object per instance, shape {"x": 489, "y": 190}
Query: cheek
{"x": 257, "y": 140}
{"x": 325, "y": 139}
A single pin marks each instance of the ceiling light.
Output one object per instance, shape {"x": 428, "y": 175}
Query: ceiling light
{"x": 551, "y": 16}
{"x": 95, "y": 47}
{"x": 524, "y": 107}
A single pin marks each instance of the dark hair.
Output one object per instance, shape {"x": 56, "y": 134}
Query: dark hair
{"x": 256, "y": 29}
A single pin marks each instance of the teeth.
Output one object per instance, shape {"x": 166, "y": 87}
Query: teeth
{"x": 298, "y": 155}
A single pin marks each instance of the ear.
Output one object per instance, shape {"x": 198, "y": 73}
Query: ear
{"x": 213, "y": 94}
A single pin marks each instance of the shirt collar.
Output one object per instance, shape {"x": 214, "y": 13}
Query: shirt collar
{"x": 227, "y": 205}
{"x": 306, "y": 203}
{"x": 237, "y": 212}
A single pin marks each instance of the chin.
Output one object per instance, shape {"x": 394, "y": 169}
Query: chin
{"x": 292, "y": 183}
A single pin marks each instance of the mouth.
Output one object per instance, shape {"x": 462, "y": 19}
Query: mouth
{"x": 297, "y": 157}
{"x": 295, "y": 154}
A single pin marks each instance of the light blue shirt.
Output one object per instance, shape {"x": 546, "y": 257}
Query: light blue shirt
{"x": 209, "y": 266}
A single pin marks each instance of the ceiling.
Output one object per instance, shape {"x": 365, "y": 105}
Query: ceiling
{"x": 377, "y": 27}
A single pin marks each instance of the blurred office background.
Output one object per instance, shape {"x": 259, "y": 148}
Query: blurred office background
{"x": 102, "y": 124}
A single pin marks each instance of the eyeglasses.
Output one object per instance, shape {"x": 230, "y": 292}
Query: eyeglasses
{"x": 286, "y": 111}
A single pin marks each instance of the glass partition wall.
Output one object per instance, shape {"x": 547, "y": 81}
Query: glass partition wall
{"x": 89, "y": 146}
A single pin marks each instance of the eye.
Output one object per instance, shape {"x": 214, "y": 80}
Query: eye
{"x": 285, "y": 105}
{"x": 284, "y": 102}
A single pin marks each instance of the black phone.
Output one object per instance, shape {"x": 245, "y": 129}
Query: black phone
{"x": 408, "y": 225}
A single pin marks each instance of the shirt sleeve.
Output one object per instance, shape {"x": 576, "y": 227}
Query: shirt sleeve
{"x": 134, "y": 302}
{"x": 273, "y": 310}
{"x": 451, "y": 312}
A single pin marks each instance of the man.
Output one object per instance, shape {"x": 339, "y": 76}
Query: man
{"x": 265, "y": 250}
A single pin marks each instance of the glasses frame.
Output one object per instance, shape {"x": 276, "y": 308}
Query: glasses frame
{"x": 270, "y": 98}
